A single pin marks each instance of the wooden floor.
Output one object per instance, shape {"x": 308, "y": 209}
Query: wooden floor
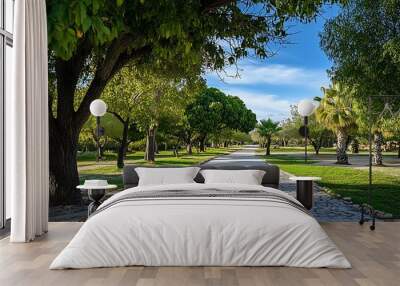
{"x": 375, "y": 257}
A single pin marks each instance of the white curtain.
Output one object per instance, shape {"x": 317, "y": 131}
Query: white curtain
{"x": 27, "y": 123}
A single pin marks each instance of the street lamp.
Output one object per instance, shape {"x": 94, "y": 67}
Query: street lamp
{"x": 98, "y": 108}
{"x": 305, "y": 109}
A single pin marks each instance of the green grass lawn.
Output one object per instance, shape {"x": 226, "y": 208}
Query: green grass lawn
{"x": 348, "y": 182}
{"x": 107, "y": 169}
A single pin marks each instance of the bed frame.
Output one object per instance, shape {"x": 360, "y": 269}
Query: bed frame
{"x": 270, "y": 179}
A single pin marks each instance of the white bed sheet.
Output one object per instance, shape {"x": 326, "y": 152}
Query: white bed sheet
{"x": 200, "y": 232}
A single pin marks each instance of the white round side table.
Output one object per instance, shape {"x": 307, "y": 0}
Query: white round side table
{"x": 95, "y": 194}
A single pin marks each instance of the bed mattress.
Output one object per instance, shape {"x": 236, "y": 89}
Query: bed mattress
{"x": 201, "y": 225}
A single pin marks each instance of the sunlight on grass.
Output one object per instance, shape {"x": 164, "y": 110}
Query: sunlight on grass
{"x": 348, "y": 182}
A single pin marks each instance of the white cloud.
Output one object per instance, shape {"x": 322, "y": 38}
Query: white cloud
{"x": 274, "y": 74}
{"x": 263, "y": 105}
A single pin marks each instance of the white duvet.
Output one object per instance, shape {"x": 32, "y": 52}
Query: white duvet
{"x": 202, "y": 232}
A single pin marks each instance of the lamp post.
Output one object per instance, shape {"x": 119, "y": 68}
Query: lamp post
{"x": 305, "y": 109}
{"x": 98, "y": 108}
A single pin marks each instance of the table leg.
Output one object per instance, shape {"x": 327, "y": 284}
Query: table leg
{"x": 95, "y": 196}
{"x": 304, "y": 193}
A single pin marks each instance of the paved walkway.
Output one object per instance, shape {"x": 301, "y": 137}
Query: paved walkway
{"x": 326, "y": 208}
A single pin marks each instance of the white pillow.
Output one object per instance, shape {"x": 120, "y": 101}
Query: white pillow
{"x": 166, "y": 176}
{"x": 248, "y": 177}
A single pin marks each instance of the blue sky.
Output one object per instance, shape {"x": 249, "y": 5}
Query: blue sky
{"x": 296, "y": 72}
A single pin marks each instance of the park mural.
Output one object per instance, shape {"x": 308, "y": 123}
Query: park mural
{"x": 148, "y": 66}
{"x": 92, "y": 43}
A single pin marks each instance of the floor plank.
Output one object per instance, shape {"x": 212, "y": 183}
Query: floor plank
{"x": 375, "y": 257}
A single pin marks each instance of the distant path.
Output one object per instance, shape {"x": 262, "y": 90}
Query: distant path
{"x": 246, "y": 157}
{"x": 326, "y": 208}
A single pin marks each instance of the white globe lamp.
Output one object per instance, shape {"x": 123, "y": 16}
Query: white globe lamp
{"x": 306, "y": 108}
{"x": 98, "y": 108}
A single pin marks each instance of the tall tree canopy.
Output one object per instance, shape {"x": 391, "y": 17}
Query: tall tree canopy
{"x": 266, "y": 128}
{"x": 91, "y": 40}
{"x": 364, "y": 43}
{"x": 122, "y": 94}
{"x": 336, "y": 113}
{"x": 213, "y": 111}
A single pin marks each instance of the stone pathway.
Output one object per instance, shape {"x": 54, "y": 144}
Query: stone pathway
{"x": 326, "y": 207}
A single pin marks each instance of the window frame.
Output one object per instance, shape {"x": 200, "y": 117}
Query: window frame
{"x": 6, "y": 39}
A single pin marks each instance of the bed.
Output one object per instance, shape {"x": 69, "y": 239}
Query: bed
{"x": 197, "y": 224}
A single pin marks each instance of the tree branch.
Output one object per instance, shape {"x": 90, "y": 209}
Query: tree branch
{"x": 117, "y": 57}
{"x": 210, "y": 5}
{"x": 119, "y": 117}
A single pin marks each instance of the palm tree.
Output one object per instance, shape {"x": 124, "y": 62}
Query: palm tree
{"x": 267, "y": 128}
{"x": 336, "y": 112}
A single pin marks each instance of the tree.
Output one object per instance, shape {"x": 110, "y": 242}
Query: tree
{"x": 122, "y": 94}
{"x": 391, "y": 129}
{"x": 91, "y": 40}
{"x": 364, "y": 44}
{"x": 317, "y": 133}
{"x": 335, "y": 111}
{"x": 267, "y": 128}
{"x": 162, "y": 97}
{"x": 212, "y": 111}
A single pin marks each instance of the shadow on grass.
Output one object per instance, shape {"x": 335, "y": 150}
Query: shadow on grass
{"x": 384, "y": 197}
{"x": 348, "y": 182}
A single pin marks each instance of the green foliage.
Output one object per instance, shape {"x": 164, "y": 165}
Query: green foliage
{"x": 188, "y": 29}
{"x": 213, "y": 111}
{"x": 391, "y": 128}
{"x": 336, "y": 108}
{"x": 364, "y": 44}
{"x": 123, "y": 93}
{"x": 267, "y": 127}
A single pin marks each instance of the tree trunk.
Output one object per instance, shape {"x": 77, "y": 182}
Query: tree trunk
{"x": 268, "y": 147}
{"x": 155, "y": 144}
{"x": 189, "y": 148}
{"x": 123, "y": 145}
{"x": 176, "y": 151}
{"x": 355, "y": 146}
{"x": 316, "y": 148}
{"x": 63, "y": 165}
{"x": 341, "y": 148}
{"x": 202, "y": 143}
{"x": 64, "y": 128}
{"x": 317, "y": 145}
{"x": 149, "y": 154}
{"x": 377, "y": 149}
{"x": 398, "y": 150}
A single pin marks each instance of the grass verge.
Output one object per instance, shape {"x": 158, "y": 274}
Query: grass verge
{"x": 348, "y": 182}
